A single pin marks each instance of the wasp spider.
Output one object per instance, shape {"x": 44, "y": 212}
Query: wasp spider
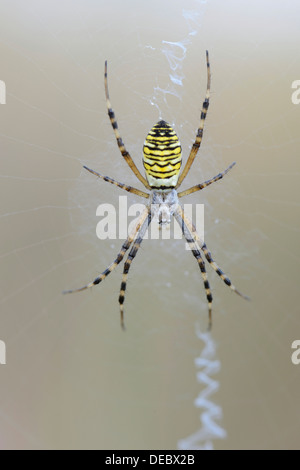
{"x": 162, "y": 161}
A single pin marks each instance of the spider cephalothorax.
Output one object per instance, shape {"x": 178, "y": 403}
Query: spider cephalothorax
{"x": 163, "y": 205}
{"x": 162, "y": 162}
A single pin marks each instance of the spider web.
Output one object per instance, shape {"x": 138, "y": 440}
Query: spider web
{"x": 72, "y": 378}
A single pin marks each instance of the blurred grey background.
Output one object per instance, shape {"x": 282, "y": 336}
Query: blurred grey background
{"x": 73, "y": 379}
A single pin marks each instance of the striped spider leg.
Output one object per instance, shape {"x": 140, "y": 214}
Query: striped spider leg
{"x": 124, "y": 152}
{"x": 196, "y": 244}
{"x": 187, "y": 233}
{"x": 125, "y": 247}
{"x": 134, "y": 249}
{"x": 199, "y": 135}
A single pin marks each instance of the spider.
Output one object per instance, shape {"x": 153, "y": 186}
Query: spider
{"x": 162, "y": 161}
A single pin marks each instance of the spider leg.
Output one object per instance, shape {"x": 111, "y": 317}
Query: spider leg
{"x": 219, "y": 271}
{"x": 134, "y": 249}
{"x": 120, "y": 143}
{"x": 193, "y": 189}
{"x": 130, "y": 189}
{"x": 197, "y": 254}
{"x": 120, "y": 256}
{"x": 197, "y": 143}
{"x": 209, "y": 258}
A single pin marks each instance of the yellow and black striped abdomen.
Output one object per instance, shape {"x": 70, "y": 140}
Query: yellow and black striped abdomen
{"x": 162, "y": 157}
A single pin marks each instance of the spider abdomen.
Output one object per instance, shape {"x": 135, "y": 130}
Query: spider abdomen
{"x": 162, "y": 156}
